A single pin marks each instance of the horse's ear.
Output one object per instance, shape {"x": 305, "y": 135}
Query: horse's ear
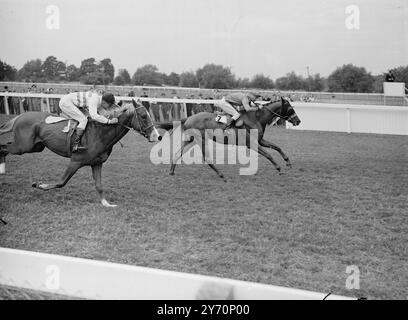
{"x": 137, "y": 103}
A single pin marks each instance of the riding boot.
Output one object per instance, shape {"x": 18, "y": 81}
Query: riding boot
{"x": 229, "y": 124}
{"x": 77, "y": 141}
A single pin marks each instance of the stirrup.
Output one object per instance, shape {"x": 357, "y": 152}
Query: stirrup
{"x": 78, "y": 148}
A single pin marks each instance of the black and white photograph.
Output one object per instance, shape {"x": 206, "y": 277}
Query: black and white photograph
{"x": 194, "y": 150}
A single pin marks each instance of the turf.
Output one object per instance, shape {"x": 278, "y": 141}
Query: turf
{"x": 343, "y": 203}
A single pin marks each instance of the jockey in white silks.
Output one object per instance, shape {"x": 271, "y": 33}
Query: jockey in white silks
{"x": 237, "y": 101}
{"x": 78, "y": 105}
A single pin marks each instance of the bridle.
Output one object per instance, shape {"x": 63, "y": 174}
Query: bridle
{"x": 142, "y": 131}
{"x": 283, "y": 111}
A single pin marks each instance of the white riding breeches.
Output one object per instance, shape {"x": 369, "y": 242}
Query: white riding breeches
{"x": 228, "y": 108}
{"x": 70, "y": 110}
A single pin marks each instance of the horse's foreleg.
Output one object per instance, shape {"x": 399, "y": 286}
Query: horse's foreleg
{"x": 185, "y": 146}
{"x": 97, "y": 175}
{"x": 271, "y": 145}
{"x": 251, "y": 143}
{"x": 69, "y": 172}
{"x": 2, "y": 162}
{"x": 203, "y": 149}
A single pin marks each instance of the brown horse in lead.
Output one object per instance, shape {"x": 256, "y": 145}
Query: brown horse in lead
{"x": 260, "y": 118}
{"x": 32, "y": 134}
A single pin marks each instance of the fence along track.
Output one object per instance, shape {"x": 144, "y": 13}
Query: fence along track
{"x": 92, "y": 279}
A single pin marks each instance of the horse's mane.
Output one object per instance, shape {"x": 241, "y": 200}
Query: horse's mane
{"x": 268, "y": 106}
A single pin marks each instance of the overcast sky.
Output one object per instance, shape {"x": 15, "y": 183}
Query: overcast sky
{"x": 250, "y": 36}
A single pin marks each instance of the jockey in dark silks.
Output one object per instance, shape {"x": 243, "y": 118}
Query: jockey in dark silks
{"x": 238, "y": 101}
{"x": 79, "y": 105}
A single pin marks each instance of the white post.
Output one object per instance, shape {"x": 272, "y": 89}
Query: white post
{"x": 6, "y": 106}
{"x": 48, "y": 104}
{"x": 161, "y": 113}
{"x": 21, "y": 105}
{"x": 152, "y": 114}
{"x": 184, "y": 110}
{"x": 348, "y": 115}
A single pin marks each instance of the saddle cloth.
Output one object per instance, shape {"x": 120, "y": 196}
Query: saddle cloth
{"x": 223, "y": 118}
{"x": 55, "y": 119}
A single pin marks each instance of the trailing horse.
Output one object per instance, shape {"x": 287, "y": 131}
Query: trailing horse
{"x": 260, "y": 118}
{"x": 31, "y": 133}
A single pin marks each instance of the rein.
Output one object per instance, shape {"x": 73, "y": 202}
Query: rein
{"x": 279, "y": 115}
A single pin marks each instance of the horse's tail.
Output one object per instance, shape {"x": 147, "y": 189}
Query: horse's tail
{"x": 9, "y": 125}
{"x": 169, "y": 125}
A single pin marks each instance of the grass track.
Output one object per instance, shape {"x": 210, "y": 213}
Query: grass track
{"x": 344, "y": 203}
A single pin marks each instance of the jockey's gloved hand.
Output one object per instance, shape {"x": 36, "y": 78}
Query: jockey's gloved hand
{"x": 113, "y": 121}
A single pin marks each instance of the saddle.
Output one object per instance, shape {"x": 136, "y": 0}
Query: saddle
{"x": 69, "y": 129}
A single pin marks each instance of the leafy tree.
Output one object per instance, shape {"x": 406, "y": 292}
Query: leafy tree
{"x": 350, "y": 78}
{"x": 118, "y": 81}
{"x": 291, "y": 82}
{"x": 106, "y": 67}
{"x": 173, "y": 79}
{"x": 188, "y": 79}
{"x": 122, "y": 78}
{"x": 147, "y": 75}
{"x": 400, "y": 73}
{"x": 72, "y": 73}
{"x": 244, "y": 83}
{"x": 97, "y": 77}
{"x": 315, "y": 83}
{"x": 215, "y": 76}
{"x": 53, "y": 69}
{"x": 7, "y": 72}
{"x": 31, "y": 71}
{"x": 260, "y": 81}
{"x": 91, "y": 72}
{"x": 87, "y": 67}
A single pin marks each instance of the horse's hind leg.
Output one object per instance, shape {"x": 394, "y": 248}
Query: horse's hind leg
{"x": 97, "y": 175}
{"x": 69, "y": 172}
{"x": 203, "y": 150}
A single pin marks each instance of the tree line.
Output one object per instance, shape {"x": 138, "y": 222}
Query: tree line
{"x": 347, "y": 78}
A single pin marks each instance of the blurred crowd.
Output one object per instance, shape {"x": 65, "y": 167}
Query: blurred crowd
{"x": 161, "y": 111}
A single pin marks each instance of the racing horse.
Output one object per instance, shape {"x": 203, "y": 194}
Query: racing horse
{"x": 262, "y": 117}
{"x": 31, "y": 134}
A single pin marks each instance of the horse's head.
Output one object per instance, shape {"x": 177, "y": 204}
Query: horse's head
{"x": 141, "y": 121}
{"x": 288, "y": 113}
{"x": 283, "y": 109}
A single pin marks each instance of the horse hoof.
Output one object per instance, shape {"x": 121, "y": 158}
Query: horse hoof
{"x": 34, "y": 185}
{"x": 2, "y": 167}
{"x": 171, "y": 173}
{"x": 106, "y": 204}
